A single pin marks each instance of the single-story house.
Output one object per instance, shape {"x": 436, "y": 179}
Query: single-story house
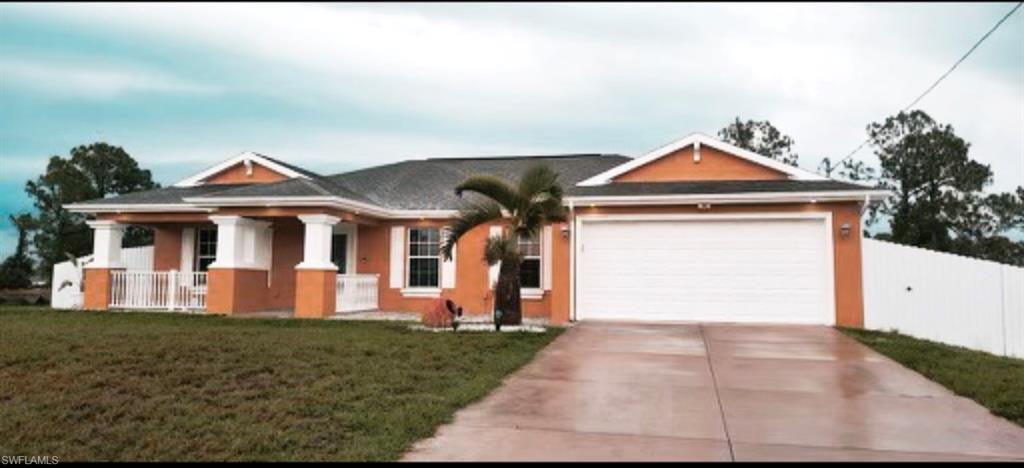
{"x": 696, "y": 230}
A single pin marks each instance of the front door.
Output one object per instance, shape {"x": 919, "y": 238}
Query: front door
{"x": 339, "y": 252}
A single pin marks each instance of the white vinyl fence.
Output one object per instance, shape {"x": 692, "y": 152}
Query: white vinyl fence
{"x": 942, "y": 297}
{"x": 66, "y": 291}
{"x": 355, "y": 293}
{"x": 158, "y": 290}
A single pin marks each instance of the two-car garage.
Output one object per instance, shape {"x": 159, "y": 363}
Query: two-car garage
{"x": 710, "y": 268}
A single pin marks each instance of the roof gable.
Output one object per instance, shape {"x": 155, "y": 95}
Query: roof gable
{"x": 247, "y": 167}
{"x": 672, "y": 163}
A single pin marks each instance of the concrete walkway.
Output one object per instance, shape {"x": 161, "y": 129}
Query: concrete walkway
{"x": 606, "y": 391}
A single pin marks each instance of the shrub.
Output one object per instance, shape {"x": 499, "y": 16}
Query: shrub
{"x": 436, "y": 315}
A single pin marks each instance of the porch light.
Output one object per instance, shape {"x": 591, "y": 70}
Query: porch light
{"x": 565, "y": 231}
{"x": 844, "y": 230}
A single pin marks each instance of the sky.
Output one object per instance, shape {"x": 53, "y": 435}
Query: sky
{"x": 335, "y": 87}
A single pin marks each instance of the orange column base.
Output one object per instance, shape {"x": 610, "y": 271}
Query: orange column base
{"x": 315, "y": 293}
{"x": 97, "y": 289}
{"x": 234, "y": 291}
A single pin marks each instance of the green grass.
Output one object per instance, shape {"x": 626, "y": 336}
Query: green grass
{"x": 995, "y": 382}
{"x": 145, "y": 386}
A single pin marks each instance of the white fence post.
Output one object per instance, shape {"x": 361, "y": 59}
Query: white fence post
{"x": 172, "y": 289}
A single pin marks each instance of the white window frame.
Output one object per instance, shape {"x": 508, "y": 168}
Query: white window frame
{"x": 430, "y": 290}
{"x": 197, "y": 249}
{"x": 538, "y": 291}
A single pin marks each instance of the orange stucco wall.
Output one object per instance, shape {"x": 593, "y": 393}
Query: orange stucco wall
{"x": 287, "y": 245}
{"x": 713, "y": 165}
{"x": 474, "y": 294}
{"x": 471, "y": 291}
{"x": 237, "y": 175}
{"x": 233, "y": 291}
{"x": 846, "y": 250}
{"x": 239, "y": 290}
{"x": 315, "y": 293}
{"x": 96, "y": 295}
{"x": 167, "y": 247}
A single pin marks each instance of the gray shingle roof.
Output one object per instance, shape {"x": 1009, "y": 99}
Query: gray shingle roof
{"x": 165, "y": 195}
{"x": 429, "y": 184}
{"x": 300, "y": 170}
{"x": 316, "y": 186}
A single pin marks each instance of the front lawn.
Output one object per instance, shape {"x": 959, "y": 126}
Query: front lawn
{"x": 149, "y": 386}
{"x": 993, "y": 381}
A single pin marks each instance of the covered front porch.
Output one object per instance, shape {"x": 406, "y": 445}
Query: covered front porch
{"x": 304, "y": 264}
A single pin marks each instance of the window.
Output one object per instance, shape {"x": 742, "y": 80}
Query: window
{"x": 424, "y": 260}
{"x": 529, "y": 269}
{"x": 206, "y": 248}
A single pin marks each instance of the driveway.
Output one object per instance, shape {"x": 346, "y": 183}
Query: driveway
{"x": 610, "y": 391}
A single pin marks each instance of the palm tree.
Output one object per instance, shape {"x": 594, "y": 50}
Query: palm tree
{"x": 525, "y": 206}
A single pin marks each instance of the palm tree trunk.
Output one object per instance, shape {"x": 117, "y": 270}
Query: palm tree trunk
{"x": 506, "y": 294}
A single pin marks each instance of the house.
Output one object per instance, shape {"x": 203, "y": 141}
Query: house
{"x": 695, "y": 230}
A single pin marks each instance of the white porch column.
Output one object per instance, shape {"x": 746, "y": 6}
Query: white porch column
{"x": 316, "y": 250}
{"x": 106, "y": 244}
{"x": 229, "y": 241}
{"x": 242, "y": 243}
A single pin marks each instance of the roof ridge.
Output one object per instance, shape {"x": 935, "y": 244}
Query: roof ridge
{"x": 316, "y": 186}
{"x": 287, "y": 164}
{"x": 525, "y": 156}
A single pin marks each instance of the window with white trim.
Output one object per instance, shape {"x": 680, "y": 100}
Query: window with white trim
{"x": 206, "y": 247}
{"x": 424, "y": 267}
{"x": 529, "y": 268}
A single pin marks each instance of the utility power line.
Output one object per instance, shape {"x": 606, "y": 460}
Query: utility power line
{"x": 944, "y": 75}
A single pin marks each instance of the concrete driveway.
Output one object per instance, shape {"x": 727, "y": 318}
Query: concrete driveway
{"x": 605, "y": 391}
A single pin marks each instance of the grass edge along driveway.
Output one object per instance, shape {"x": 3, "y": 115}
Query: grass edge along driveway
{"x": 995, "y": 382}
{"x": 150, "y": 386}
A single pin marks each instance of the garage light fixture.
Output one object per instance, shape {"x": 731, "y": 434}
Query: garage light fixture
{"x": 844, "y": 230}
{"x": 565, "y": 231}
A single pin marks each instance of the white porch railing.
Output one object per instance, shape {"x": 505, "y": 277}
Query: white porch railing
{"x": 356, "y": 292}
{"x": 157, "y": 290}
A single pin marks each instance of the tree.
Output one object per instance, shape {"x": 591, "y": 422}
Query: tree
{"x": 91, "y": 172}
{"x": 16, "y": 270}
{"x": 762, "y": 138}
{"x": 938, "y": 202}
{"x": 525, "y": 207}
{"x": 848, "y": 169}
{"x": 980, "y": 229}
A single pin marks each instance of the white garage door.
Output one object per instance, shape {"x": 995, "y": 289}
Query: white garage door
{"x": 726, "y": 270}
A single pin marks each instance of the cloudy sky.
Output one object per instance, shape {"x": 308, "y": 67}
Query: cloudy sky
{"x": 337, "y": 87}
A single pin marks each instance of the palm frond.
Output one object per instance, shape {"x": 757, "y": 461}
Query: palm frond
{"x": 540, "y": 187}
{"x": 538, "y": 182}
{"x": 493, "y": 187}
{"x": 467, "y": 219}
{"x": 553, "y": 210}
